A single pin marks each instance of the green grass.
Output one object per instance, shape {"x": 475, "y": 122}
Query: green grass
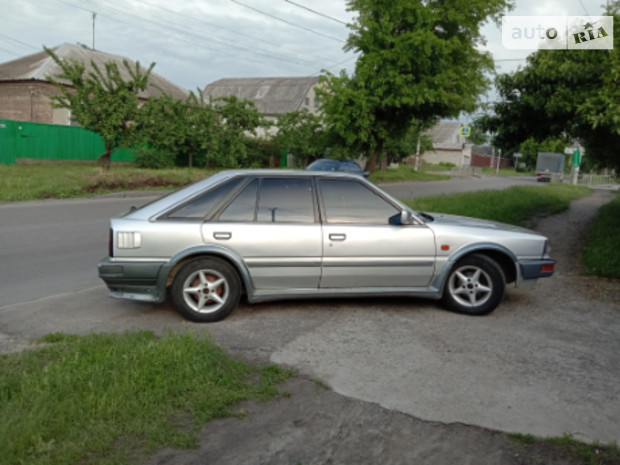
{"x": 588, "y": 454}
{"x": 601, "y": 255}
{"x": 112, "y": 398}
{"x": 407, "y": 173}
{"x": 515, "y": 205}
{"x": 67, "y": 180}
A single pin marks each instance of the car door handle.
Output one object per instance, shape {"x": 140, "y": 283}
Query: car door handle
{"x": 337, "y": 237}
{"x": 222, "y": 236}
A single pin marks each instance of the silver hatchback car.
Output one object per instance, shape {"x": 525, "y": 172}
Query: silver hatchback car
{"x": 273, "y": 234}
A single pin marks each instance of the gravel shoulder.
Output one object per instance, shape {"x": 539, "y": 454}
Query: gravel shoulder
{"x": 317, "y": 425}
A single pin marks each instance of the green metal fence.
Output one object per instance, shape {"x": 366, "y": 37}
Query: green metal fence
{"x": 20, "y": 139}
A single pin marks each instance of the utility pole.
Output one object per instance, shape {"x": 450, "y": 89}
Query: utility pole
{"x": 94, "y": 16}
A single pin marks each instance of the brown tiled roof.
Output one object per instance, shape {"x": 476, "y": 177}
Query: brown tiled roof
{"x": 40, "y": 66}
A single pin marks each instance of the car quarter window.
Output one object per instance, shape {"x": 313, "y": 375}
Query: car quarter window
{"x": 280, "y": 200}
{"x": 352, "y": 202}
{"x": 202, "y": 205}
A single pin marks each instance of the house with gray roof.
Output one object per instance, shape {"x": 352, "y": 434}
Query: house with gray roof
{"x": 25, "y": 89}
{"x": 273, "y": 96}
{"x": 448, "y": 145}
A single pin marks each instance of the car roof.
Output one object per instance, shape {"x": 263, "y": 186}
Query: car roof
{"x": 182, "y": 194}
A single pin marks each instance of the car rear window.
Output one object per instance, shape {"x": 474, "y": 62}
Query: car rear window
{"x": 204, "y": 204}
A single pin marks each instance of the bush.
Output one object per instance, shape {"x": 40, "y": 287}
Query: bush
{"x": 153, "y": 158}
{"x": 260, "y": 151}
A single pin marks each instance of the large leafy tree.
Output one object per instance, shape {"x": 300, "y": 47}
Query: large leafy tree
{"x": 417, "y": 61}
{"x": 568, "y": 94}
{"x": 101, "y": 100}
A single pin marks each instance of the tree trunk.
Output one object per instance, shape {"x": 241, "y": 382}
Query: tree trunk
{"x": 105, "y": 160}
{"x": 372, "y": 162}
{"x": 417, "y": 152}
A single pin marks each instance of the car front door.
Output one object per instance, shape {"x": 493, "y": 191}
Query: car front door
{"x": 361, "y": 249}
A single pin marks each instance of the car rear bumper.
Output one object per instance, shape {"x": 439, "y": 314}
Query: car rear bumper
{"x": 132, "y": 280}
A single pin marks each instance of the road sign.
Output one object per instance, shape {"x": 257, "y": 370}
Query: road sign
{"x": 465, "y": 131}
{"x": 576, "y": 158}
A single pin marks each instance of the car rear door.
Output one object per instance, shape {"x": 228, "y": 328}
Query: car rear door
{"x": 272, "y": 224}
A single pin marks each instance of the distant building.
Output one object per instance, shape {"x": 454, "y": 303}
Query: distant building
{"x": 272, "y": 96}
{"x": 25, "y": 90}
{"x": 448, "y": 145}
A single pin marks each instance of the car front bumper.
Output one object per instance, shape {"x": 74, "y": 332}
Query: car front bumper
{"x": 534, "y": 269}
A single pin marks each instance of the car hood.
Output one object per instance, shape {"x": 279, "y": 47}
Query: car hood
{"x": 465, "y": 221}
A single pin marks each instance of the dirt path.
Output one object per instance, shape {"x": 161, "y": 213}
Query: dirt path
{"x": 317, "y": 426}
{"x": 567, "y": 232}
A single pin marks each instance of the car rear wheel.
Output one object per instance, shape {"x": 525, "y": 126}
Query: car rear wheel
{"x": 206, "y": 290}
{"x": 475, "y": 286}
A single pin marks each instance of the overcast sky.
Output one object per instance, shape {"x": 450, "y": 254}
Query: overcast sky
{"x": 196, "y": 42}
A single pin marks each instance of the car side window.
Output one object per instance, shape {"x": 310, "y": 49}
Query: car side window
{"x": 201, "y": 206}
{"x": 242, "y": 208}
{"x": 280, "y": 200}
{"x": 285, "y": 200}
{"x": 352, "y": 202}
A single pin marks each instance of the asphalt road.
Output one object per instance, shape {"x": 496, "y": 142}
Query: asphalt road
{"x": 545, "y": 371}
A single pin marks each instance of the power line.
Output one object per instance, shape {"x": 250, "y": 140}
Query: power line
{"x": 315, "y": 12}
{"x": 584, "y": 8}
{"x": 181, "y": 31}
{"x": 232, "y": 31}
{"x": 287, "y": 22}
{"x": 7, "y": 38}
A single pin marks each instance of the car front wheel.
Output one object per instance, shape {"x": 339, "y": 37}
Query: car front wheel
{"x": 475, "y": 286}
{"x": 206, "y": 290}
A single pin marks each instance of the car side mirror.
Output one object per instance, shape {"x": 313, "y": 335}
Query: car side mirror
{"x": 401, "y": 218}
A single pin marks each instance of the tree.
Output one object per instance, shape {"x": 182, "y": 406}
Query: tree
{"x": 418, "y": 60}
{"x": 189, "y": 130}
{"x": 238, "y": 119}
{"x": 414, "y": 141}
{"x": 302, "y": 133}
{"x": 478, "y": 135}
{"x": 567, "y": 94}
{"x": 530, "y": 148}
{"x": 199, "y": 132}
{"x": 102, "y": 101}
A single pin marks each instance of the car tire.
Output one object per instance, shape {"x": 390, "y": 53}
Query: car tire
{"x": 475, "y": 286}
{"x": 206, "y": 290}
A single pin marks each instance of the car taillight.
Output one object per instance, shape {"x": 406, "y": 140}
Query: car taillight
{"x": 111, "y": 243}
